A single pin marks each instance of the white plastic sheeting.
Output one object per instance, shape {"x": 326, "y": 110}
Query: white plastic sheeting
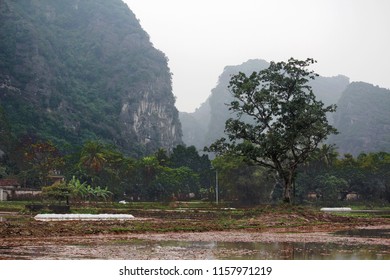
{"x": 336, "y": 209}
{"x": 87, "y": 217}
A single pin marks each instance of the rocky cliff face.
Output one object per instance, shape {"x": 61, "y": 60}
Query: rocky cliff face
{"x": 363, "y": 120}
{"x": 76, "y": 70}
{"x": 152, "y": 122}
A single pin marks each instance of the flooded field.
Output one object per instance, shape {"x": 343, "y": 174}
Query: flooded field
{"x": 172, "y": 235}
{"x": 200, "y": 250}
{"x": 366, "y": 244}
{"x": 366, "y": 232}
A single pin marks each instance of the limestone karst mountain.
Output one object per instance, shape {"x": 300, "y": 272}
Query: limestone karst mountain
{"x": 207, "y": 123}
{"x": 73, "y": 70}
{"x": 362, "y": 117}
{"x": 363, "y": 120}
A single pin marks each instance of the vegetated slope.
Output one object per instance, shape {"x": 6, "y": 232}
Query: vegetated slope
{"x": 207, "y": 123}
{"x": 76, "y": 70}
{"x": 363, "y": 120}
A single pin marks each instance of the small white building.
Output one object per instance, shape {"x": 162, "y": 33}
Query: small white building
{"x": 10, "y": 188}
{"x": 7, "y": 187}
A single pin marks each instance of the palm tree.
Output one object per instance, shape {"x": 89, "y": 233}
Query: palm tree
{"x": 93, "y": 156}
{"x": 328, "y": 154}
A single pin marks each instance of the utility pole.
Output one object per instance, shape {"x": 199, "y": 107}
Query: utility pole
{"x": 216, "y": 186}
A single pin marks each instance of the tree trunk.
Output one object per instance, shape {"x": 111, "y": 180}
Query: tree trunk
{"x": 288, "y": 187}
{"x": 287, "y": 193}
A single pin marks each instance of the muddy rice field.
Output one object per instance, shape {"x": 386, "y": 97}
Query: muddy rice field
{"x": 264, "y": 233}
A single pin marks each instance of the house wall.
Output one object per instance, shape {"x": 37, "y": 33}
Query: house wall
{"x": 9, "y": 194}
{"x": 2, "y": 195}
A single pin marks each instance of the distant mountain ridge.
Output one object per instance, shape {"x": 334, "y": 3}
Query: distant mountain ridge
{"x": 73, "y": 70}
{"x": 363, "y": 119}
{"x": 362, "y": 116}
{"x": 214, "y": 111}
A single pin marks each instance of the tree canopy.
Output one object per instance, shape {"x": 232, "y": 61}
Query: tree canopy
{"x": 278, "y": 122}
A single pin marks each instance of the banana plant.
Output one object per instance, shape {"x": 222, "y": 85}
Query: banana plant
{"x": 103, "y": 193}
{"x": 79, "y": 190}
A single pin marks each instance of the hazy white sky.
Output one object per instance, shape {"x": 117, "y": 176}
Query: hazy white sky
{"x": 201, "y": 37}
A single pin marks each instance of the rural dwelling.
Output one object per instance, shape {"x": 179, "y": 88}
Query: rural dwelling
{"x": 7, "y": 187}
{"x": 11, "y": 189}
{"x": 352, "y": 196}
{"x": 313, "y": 196}
{"x": 349, "y": 196}
{"x": 55, "y": 177}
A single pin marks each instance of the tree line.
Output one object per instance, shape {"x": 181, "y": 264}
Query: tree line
{"x": 157, "y": 177}
{"x": 96, "y": 171}
{"x": 279, "y": 156}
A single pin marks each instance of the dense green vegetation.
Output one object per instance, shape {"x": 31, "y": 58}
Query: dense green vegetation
{"x": 99, "y": 172}
{"x": 73, "y": 71}
{"x": 332, "y": 178}
{"x": 84, "y": 94}
{"x": 98, "y": 169}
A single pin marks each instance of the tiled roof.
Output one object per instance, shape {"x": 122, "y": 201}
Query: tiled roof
{"x": 8, "y": 182}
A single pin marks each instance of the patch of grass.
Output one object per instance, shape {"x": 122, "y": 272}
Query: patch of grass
{"x": 164, "y": 218}
{"x": 12, "y": 206}
{"x": 249, "y": 227}
{"x": 120, "y": 229}
{"x": 363, "y": 214}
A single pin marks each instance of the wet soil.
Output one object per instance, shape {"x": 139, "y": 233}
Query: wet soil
{"x": 149, "y": 233}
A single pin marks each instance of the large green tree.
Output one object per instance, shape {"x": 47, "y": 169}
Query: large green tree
{"x": 278, "y": 122}
{"x": 42, "y": 158}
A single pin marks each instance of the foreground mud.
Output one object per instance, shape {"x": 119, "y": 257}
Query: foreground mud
{"x": 189, "y": 236}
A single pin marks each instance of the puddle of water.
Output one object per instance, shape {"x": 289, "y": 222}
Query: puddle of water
{"x": 142, "y": 249}
{"x": 286, "y": 250}
{"x": 370, "y": 233}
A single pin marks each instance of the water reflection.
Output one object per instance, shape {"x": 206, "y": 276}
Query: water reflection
{"x": 146, "y": 249}
{"x": 142, "y": 249}
{"x": 287, "y": 250}
{"x": 371, "y": 233}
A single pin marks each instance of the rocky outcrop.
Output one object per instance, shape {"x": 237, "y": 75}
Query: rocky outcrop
{"x": 73, "y": 70}
{"x": 152, "y": 122}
